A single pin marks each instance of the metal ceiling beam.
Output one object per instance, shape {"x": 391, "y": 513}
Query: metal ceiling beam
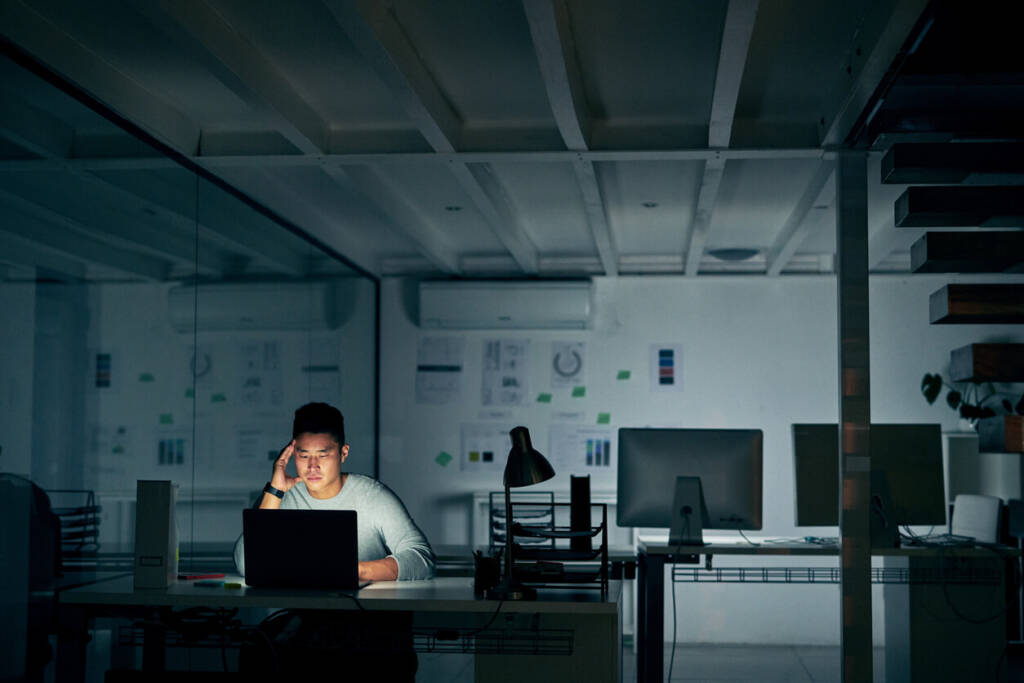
{"x": 876, "y": 45}
{"x": 206, "y": 37}
{"x": 63, "y": 53}
{"x": 405, "y": 218}
{"x": 384, "y": 44}
{"x": 54, "y": 232}
{"x": 556, "y": 54}
{"x": 732, "y": 58}
{"x": 796, "y": 227}
{"x": 415, "y": 158}
{"x": 20, "y": 252}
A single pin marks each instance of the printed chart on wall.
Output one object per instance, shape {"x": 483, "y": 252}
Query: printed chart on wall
{"x": 575, "y": 449}
{"x": 261, "y": 374}
{"x": 567, "y": 364}
{"x": 485, "y": 447}
{"x": 504, "y": 372}
{"x": 322, "y": 372}
{"x": 666, "y": 367}
{"x": 439, "y": 369}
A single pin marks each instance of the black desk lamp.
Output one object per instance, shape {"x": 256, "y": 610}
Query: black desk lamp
{"x": 525, "y": 467}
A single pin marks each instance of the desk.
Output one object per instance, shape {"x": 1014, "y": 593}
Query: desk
{"x": 592, "y": 621}
{"x": 925, "y": 639}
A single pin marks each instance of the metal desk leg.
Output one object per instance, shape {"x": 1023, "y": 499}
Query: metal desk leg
{"x": 153, "y": 650}
{"x": 72, "y": 637}
{"x": 650, "y": 621}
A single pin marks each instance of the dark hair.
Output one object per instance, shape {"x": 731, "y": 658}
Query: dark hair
{"x": 319, "y": 418}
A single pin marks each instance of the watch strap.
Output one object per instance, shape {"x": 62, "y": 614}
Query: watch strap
{"x": 272, "y": 491}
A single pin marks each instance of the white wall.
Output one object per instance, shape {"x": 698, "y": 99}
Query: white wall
{"x": 757, "y": 353}
{"x": 17, "y": 333}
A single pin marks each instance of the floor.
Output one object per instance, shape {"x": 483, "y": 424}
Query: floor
{"x": 716, "y": 664}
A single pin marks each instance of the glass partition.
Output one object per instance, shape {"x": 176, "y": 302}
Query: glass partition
{"x": 158, "y": 325}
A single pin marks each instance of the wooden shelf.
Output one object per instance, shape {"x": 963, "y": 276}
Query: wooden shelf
{"x": 968, "y": 252}
{"x": 952, "y": 206}
{"x": 950, "y": 163}
{"x": 987, "y": 363}
{"x": 973, "y": 304}
{"x": 1002, "y": 434}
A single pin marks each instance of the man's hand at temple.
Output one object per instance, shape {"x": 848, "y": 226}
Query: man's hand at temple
{"x": 279, "y": 478}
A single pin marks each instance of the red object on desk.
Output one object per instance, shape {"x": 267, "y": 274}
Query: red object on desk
{"x": 192, "y": 577}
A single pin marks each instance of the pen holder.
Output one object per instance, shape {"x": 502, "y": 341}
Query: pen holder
{"x": 486, "y": 571}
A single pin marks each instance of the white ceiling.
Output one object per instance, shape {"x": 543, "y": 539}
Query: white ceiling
{"x": 490, "y": 138}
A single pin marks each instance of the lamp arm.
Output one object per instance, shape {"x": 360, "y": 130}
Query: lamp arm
{"x": 508, "y": 535}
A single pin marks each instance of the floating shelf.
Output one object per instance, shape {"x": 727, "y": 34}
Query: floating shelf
{"x": 987, "y": 363}
{"x": 943, "y": 162}
{"x": 968, "y": 252}
{"x": 952, "y": 206}
{"x": 972, "y": 304}
{"x": 1001, "y": 434}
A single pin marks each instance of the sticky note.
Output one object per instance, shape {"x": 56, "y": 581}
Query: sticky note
{"x": 474, "y": 456}
{"x": 604, "y": 418}
{"x": 218, "y": 398}
{"x": 579, "y": 392}
{"x": 543, "y": 398}
{"x": 166, "y": 418}
{"x": 146, "y": 377}
{"x": 443, "y": 459}
{"x": 623, "y": 375}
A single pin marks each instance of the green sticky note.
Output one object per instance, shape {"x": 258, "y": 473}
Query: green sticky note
{"x": 543, "y": 398}
{"x": 623, "y": 374}
{"x": 166, "y": 418}
{"x": 443, "y": 459}
{"x": 218, "y": 398}
{"x": 147, "y": 377}
{"x": 190, "y": 392}
{"x": 474, "y": 456}
{"x": 604, "y": 418}
{"x": 579, "y": 392}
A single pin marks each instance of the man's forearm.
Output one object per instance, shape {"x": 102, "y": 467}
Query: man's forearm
{"x": 379, "y": 570}
{"x": 270, "y": 502}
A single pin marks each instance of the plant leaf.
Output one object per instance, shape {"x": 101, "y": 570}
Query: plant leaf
{"x": 953, "y": 399}
{"x": 931, "y": 386}
{"x": 986, "y": 412}
{"x": 1007, "y": 406}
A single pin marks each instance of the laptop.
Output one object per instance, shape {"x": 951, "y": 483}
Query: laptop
{"x": 301, "y": 549}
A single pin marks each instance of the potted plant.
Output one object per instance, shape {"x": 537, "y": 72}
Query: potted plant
{"x": 997, "y": 425}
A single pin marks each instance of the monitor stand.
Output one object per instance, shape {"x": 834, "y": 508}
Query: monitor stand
{"x": 689, "y": 513}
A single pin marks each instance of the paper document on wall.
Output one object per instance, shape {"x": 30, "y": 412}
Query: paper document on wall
{"x": 567, "y": 364}
{"x": 666, "y": 367}
{"x": 322, "y": 372}
{"x": 261, "y": 383}
{"x": 505, "y": 365}
{"x": 577, "y": 449}
{"x": 439, "y": 363}
{"x": 485, "y": 447}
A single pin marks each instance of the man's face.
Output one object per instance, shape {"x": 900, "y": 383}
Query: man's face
{"x": 318, "y": 459}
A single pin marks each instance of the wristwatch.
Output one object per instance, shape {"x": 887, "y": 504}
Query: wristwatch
{"x": 272, "y": 491}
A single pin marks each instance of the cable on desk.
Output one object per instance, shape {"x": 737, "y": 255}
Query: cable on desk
{"x": 488, "y": 624}
{"x": 747, "y": 539}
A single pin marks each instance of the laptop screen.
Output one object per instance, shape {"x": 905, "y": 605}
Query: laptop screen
{"x": 301, "y": 549}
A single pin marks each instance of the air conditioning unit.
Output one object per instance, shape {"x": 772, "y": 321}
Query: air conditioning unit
{"x": 513, "y": 305}
{"x": 254, "y": 306}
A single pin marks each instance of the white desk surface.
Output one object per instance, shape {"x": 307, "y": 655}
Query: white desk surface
{"x": 442, "y": 594}
{"x": 652, "y": 547}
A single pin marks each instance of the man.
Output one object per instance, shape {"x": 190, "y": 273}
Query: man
{"x": 391, "y": 546}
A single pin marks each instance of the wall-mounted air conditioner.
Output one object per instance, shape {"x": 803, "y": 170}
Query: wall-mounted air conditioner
{"x": 254, "y": 306}
{"x": 520, "y": 305}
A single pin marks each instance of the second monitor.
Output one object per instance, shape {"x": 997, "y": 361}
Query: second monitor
{"x": 906, "y": 459}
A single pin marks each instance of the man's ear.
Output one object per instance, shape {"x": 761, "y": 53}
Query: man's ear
{"x": 344, "y": 452}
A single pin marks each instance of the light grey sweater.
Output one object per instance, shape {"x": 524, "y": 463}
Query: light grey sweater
{"x": 384, "y": 526}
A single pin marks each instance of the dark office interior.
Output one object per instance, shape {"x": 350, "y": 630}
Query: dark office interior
{"x": 749, "y": 272}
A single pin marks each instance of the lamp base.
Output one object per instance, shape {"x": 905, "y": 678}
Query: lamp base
{"x": 505, "y": 591}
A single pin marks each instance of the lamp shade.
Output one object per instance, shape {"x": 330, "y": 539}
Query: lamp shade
{"x": 525, "y": 466}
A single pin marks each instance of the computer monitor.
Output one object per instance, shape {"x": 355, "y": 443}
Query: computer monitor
{"x": 906, "y": 461}
{"x": 727, "y": 461}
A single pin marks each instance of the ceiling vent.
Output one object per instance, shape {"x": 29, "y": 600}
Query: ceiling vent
{"x": 510, "y": 305}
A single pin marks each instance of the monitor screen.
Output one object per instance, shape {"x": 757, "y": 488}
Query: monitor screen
{"x": 905, "y": 458}
{"x": 728, "y": 462}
